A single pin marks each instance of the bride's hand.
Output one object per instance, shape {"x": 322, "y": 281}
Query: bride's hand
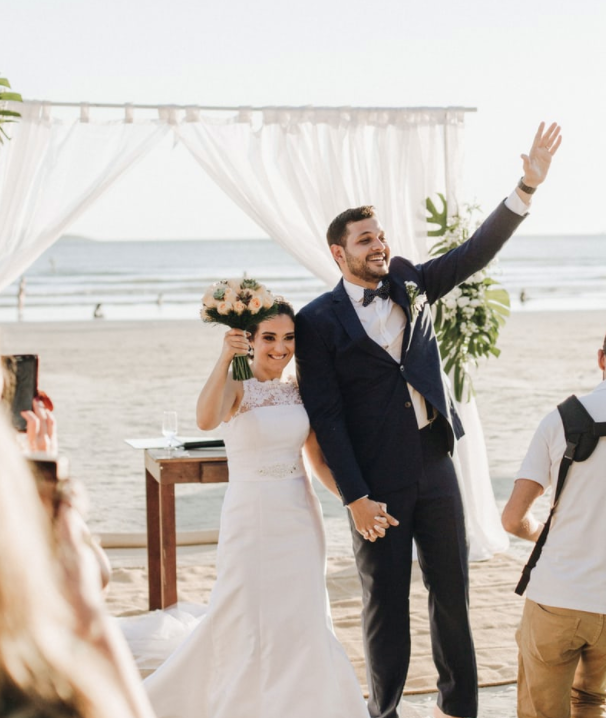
{"x": 221, "y": 394}
{"x": 235, "y": 342}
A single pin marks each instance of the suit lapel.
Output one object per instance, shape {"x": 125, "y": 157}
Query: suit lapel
{"x": 400, "y": 296}
{"x": 347, "y": 314}
{"x": 351, "y": 323}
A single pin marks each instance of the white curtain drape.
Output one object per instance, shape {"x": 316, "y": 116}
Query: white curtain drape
{"x": 484, "y": 530}
{"x": 53, "y": 170}
{"x": 293, "y": 170}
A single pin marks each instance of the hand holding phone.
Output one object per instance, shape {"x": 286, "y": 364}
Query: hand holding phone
{"x": 20, "y": 386}
{"x": 40, "y": 428}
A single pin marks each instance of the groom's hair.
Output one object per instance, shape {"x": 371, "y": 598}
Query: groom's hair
{"x": 337, "y": 230}
{"x": 604, "y": 345}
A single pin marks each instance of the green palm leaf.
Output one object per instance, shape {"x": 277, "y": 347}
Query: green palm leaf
{"x": 466, "y": 331}
{"x": 7, "y": 116}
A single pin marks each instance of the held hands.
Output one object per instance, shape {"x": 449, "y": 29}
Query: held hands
{"x": 538, "y": 160}
{"x": 371, "y": 518}
{"x": 235, "y": 342}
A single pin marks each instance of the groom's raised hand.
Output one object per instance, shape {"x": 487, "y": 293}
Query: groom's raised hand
{"x": 371, "y": 518}
{"x": 538, "y": 160}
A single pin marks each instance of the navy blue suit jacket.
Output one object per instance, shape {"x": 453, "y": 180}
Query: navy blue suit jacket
{"x": 356, "y": 395}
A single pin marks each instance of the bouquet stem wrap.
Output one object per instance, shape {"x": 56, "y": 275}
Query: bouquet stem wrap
{"x": 241, "y": 368}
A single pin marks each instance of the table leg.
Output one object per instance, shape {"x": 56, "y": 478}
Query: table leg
{"x": 154, "y": 543}
{"x": 168, "y": 534}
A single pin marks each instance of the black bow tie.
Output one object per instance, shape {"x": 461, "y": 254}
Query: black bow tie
{"x": 382, "y": 292}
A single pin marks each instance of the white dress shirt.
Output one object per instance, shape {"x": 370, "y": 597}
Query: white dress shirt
{"x": 384, "y": 321}
{"x": 572, "y": 570}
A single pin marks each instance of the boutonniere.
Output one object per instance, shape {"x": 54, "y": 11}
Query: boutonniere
{"x": 416, "y": 298}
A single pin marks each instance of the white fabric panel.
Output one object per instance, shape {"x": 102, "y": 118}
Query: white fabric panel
{"x": 485, "y": 533}
{"x": 293, "y": 170}
{"x": 51, "y": 171}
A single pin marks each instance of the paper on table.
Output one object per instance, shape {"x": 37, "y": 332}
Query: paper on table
{"x": 162, "y": 443}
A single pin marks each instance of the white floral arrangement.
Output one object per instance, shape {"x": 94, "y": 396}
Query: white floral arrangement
{"x": 416, "y": 298}
{"x": 238, "y": 304}
{"x": 469, "y": 318}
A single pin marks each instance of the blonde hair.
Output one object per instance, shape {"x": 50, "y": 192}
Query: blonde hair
{"x": 42, "y": 659}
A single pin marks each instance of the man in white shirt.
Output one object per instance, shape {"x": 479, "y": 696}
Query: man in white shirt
{"x": 372, "y": 383}
{"x": 562, "y": 635}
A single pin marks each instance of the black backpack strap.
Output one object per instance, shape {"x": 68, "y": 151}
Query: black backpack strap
{"x": 575, "y": 419}
{"x": 599, "y": 429}
{"x": 565, "y": 465}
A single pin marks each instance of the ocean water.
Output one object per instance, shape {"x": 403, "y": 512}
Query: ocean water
{"x": 149, "y": 279}
{"x": 165, "y": 279}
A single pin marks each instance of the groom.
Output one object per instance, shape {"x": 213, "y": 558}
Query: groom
{"x": 371, "y": 381}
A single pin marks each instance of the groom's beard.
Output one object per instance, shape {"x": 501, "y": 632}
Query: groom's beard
{"x": 364, "y": 270}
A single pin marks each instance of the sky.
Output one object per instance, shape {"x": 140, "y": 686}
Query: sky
{"x": 518, "y": 62}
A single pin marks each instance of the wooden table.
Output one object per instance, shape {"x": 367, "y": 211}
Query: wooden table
{"x": 197, "y": 466}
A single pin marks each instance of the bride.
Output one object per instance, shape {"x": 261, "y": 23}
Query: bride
{"x": 265, "y": 648}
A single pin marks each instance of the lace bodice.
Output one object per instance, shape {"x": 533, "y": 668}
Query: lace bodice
{"x": 265, "y": 438}
{"x": 269, "y": 393}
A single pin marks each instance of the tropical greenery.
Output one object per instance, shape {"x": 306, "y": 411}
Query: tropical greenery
{"x": 7, "y": 116}
{"x": 468, "y": 319}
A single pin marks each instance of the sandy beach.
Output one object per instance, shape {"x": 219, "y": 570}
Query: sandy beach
{"x": 112, "y": 380}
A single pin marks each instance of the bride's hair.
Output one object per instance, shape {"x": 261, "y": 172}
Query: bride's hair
{"x": 45, "y": 667}
{"x": 283, "y": 306}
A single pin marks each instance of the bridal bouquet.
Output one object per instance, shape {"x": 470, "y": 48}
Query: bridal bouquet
{"x": 468, "y": 319}
{"x": 238, "y": 304}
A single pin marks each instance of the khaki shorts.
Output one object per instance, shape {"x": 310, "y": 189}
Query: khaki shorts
{"x": 562, "y": 663}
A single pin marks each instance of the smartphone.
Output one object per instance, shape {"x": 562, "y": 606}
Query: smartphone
{"x": 20, "y": 385}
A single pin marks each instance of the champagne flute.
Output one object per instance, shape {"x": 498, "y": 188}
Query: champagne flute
{"x": 169, "y": 428}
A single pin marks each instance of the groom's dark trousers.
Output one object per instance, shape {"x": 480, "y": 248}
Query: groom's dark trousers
{"x": 430, "y": 512}
{"x": 359, "y": 404}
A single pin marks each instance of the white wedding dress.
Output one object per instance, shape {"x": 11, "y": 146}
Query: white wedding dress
{"x": 265, "y": 647}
